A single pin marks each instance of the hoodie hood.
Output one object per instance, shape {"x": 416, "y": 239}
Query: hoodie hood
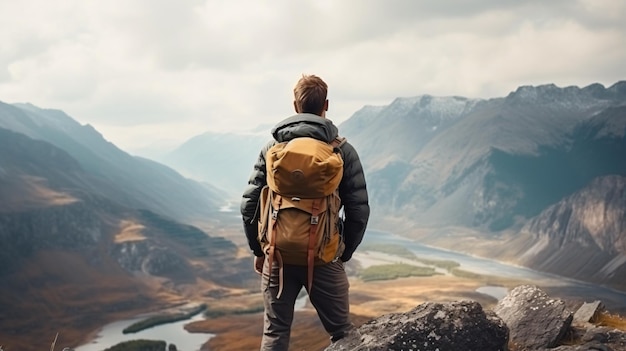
{"x": 305, "y": 125}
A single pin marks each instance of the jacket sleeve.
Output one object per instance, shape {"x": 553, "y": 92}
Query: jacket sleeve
{"x": 354, "y": 199}
{"x": 250, "y": 202}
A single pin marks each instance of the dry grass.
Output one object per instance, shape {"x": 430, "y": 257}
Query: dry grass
{"x": 129, "y": 231}
{"x": 60, "y": 292}
{"x": 610, "y": 320}
{"x": 29, "y": 192}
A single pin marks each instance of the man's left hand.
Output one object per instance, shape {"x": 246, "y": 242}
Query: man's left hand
{"x": 258, "y": 264}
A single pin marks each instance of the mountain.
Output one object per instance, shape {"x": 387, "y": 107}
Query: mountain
{"x": 482, "y": 164}
{"x": 396, "y": 133}
{"x": 224, "y": 159}
{"x": 537, "y": 174}
{"x": 132, "y": 181}
{"x": 90, "y": 234}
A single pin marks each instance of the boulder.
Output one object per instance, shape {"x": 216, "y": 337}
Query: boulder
{"x": 535, "y": 320}
{"x": 587, "y": 313}
{"x": 430, "y": 326}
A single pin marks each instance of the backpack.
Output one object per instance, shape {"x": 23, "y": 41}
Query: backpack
{"x": 299, "y": 218}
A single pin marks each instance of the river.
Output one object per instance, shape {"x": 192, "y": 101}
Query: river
{"x": 553, "y": 284}
{"x": 173, "y": 333}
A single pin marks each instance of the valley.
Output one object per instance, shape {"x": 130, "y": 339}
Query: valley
{"x": 93, "y": 235}
{"x": 235, "y": 329}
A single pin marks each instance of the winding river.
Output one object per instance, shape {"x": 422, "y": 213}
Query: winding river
{"x": 173, "y": 333}
{"x": 612, "y": 299}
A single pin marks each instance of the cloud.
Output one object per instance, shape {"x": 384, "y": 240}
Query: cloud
{"x": 127, "y": 66}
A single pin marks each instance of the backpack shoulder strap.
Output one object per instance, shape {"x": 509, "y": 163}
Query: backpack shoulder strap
{"x": 338, "y": 141}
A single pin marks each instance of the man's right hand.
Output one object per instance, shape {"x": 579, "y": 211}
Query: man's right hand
{"x": 258, "y": 264}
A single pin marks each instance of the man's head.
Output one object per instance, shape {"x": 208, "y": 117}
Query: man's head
{"x": 310, "y": 95}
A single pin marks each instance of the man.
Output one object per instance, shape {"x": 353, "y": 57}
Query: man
{"x": 329, "y": 292}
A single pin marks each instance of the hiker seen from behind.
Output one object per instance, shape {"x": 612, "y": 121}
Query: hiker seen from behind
{"x": 305, "y": 211}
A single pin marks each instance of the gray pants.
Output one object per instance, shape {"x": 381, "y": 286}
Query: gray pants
{"x": 329, "y": 296}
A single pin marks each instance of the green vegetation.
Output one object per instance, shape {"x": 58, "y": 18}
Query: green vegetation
{"x": 162, "y": 319}
{"x": 445, "y": 264}
{"x": 139, "y": 345}
{"x": 390, "y": 249}
{"x": 401, "y": 251}
{"x": 464, "y": 274}
{"x": 395, "y": 270}
{"x": 219, "y": 312}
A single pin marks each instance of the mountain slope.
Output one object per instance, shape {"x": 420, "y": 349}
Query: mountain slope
{"x": 582, "y": 236}
{"x": 225, "y": 160}
{"x": 72, "y": 257}
{"x": 397, "y": 132}
{"x": 131, "y": 181}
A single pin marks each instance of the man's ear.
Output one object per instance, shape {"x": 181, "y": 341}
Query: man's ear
{"x": 295, "y": 106}
{"x": 326, "y": 105}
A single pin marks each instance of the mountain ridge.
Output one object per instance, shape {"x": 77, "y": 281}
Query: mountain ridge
{"x": 136, "y": 182}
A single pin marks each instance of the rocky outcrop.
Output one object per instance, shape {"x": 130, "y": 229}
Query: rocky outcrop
{"x": 594, "y": 217}
{"x": 527, "y": 319}
{"x": 535, "y": 320}
{"x": 429, "y": 327}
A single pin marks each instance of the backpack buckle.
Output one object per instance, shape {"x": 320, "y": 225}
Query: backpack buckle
{"x": 315, "y": 219}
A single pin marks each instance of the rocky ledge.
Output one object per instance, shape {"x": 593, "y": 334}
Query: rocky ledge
{"x": 527, "y": 319}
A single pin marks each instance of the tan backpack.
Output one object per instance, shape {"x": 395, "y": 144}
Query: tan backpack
{"x": 299, "y": 219}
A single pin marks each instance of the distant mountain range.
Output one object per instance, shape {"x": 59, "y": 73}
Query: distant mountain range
{"x": 132, "y": 181}
{"x": 478, "y": 175}
{"x": 225, "y": 160}
{"x": 485, "y": 163}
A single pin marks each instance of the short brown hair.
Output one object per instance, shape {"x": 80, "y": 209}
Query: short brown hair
{"x": 310, "y": 94}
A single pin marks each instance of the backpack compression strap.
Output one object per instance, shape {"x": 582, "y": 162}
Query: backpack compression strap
{"x": 310, "y": 257}
{"x": 272, "y": 252}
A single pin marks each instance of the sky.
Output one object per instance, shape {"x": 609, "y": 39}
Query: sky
{"x": 154, "y": 73}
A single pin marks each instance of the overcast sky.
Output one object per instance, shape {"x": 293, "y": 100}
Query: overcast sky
{"x": 157, "y": 72}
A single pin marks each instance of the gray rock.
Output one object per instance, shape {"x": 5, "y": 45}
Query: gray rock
{"x": 587, "y": 312}
{"x": 460, "y": 325}
{"x": 599, "y": 334}
{"x": 586, "y": 347}
{"x": 535, "y": 320}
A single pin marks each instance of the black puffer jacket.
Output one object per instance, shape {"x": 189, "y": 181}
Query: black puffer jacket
{"x": 352, "y": 189}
